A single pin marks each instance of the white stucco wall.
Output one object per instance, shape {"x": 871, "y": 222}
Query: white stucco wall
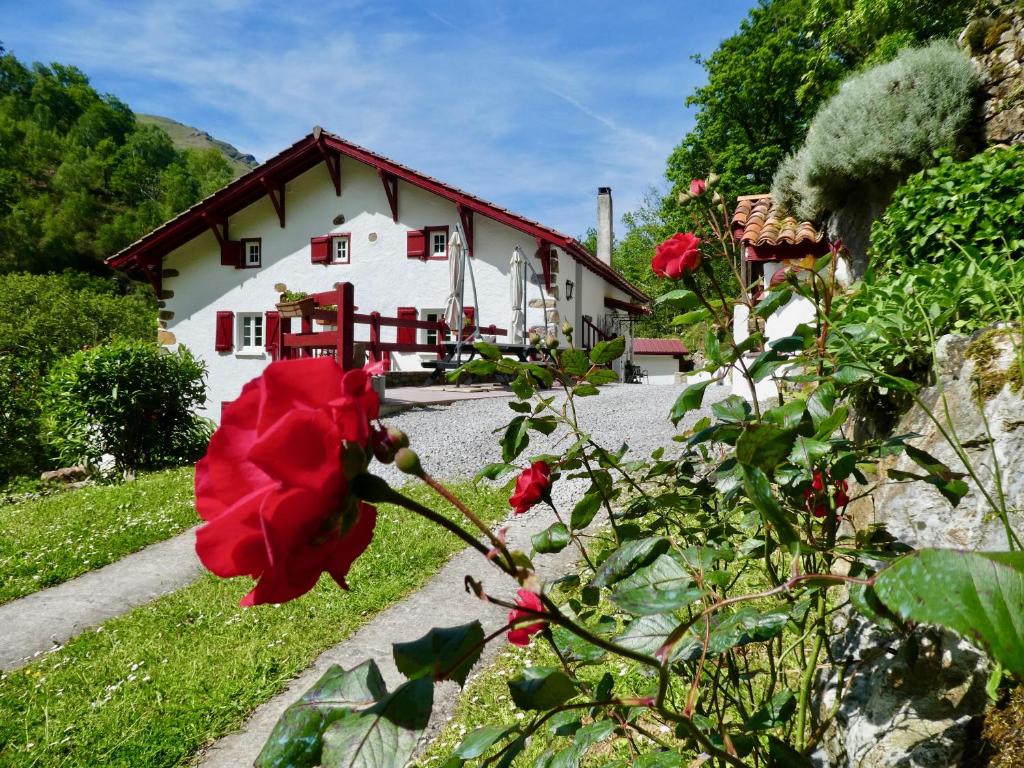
{"x": 384, "y": 277}
{"x": 661, "y": 369}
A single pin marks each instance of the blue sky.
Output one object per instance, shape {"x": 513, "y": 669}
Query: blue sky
{"x": 530, "y": 104}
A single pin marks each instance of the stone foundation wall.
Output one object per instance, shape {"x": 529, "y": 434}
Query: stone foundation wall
{"x": 996, "y": 45}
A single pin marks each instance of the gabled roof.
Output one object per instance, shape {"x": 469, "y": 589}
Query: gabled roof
{"x": 757, "y": 220}
{"x": 659, "y": 347}
{"x": 309, "y": 152}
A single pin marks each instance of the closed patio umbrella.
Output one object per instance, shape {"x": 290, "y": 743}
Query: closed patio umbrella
{"x": 456, "y": 264}
{"x": 517, "y": 296}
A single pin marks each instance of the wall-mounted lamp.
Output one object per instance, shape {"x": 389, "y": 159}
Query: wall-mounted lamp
{"x": 569, "y": 286}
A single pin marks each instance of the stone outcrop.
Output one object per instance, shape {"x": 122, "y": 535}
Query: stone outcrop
{"x": 996, "y": 45}
{"x": 914, "y": 701}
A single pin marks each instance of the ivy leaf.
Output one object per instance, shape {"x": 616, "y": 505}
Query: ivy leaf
{"x": 436, "y": 652}
{"x": 628, "y": 558}
{"x": 296, "y": 740}
{"x": 383, "y": 736}
{"x": 689, "y": 400}
{"x": 541, "y": 688}
{"x": 979, "y": 595}
{"x": 764, "y": 446}
{"x": 606, "y": 351}
{"x": 661, "y": 587}
{"x": 552, "y": 539}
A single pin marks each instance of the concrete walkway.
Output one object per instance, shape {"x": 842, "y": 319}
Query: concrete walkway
{"x": 44, "y": 620}
{"x": 442, "y": 602}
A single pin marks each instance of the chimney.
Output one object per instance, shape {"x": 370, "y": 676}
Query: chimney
{"x": 605, "y": 235}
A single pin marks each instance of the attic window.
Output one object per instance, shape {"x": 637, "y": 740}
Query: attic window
{"x": 341, "y": 249}
{"x": 437, "y": 242}
{"x": 252, "y": 252}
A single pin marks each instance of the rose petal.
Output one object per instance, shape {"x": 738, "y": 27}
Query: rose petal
{"x": 301, "y": 450}
{"x": 305, "y": 383}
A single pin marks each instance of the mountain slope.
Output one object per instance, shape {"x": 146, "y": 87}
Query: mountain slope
{"x": 186, "y": 137}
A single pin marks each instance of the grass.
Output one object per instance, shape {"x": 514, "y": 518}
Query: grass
{"x": 48, "y": 540}
{"x": 152, "y": 687}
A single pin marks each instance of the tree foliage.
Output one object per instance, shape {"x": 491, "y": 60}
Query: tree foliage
{"x": 79, "y": 177}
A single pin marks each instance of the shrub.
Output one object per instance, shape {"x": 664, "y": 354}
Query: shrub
{"x": 979, "y": 202}
{"x": 45, "y": 317}
{"x": 883, "y": 124}
{"x": 128, "y": 399}
{"x": 19, "y": 418}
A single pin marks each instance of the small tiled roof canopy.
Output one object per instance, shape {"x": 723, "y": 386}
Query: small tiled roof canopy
{"x": 758, "y": 221}
{"x": 672, "y": 347}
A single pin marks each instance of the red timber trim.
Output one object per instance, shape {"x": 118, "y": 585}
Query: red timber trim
{"x": 625, "y": 306}
{"x": 276, "y": 194}
{"x": 544, "y": 254}
{"x": 319, "y": 147}
{"x": 428, "y": 252}
{"x": 406, "y": 335}
{"x": 320, "y": 249}
{"x": 415, "y": 244}
{"x": 390, "y": 182}
{"x": 225, "y": 338}
{"x": 466, "y": 219}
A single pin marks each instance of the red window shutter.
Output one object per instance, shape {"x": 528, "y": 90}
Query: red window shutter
{"x": 387, "y": 362}
{"x": 231, "y": 253}
{"x": 271, "y": 327}
{"x": 225, "y": 332}
{"x": 407, "y": 335}
{"x": 320, "y": 250}
{"x": 416, "y": 244}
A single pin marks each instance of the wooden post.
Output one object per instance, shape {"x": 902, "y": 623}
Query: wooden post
{"x": 307, "y": 327}
{"x": 346, "y": 326}
{"x": 374, "y": 351}
{"x": 284, "y": 326}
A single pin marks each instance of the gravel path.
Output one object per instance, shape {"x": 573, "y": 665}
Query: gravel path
{"x": 455, "y": 441}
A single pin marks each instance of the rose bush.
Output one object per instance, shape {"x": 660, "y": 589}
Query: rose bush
{"x": 678, "y": 256}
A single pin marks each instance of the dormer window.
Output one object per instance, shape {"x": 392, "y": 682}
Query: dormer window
{"x": 341, "y": 249}
{"x": 252, "y": 252}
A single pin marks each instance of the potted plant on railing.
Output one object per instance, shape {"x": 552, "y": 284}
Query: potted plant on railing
{"x": 295, "y": 304}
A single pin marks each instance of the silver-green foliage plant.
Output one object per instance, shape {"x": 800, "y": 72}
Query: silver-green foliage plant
{"x": 883, "y": 125}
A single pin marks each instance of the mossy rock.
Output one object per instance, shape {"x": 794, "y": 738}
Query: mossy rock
{"x": 986, "y": 352}
{"x": 1003, "y": 732}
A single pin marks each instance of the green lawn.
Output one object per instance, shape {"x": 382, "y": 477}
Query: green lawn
{"x": 49, "y": 540}
{"x": 153, "y": 686}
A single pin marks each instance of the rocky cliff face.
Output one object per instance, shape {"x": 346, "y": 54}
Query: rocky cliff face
{"x": 914, "y": 701}
{"x": 996, "y": 45}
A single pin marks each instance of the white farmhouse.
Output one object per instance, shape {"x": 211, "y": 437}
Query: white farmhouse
{"x": 325, "y": 211}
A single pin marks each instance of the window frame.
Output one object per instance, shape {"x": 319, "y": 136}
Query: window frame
{"x": 425, "y": 316}
{"x": 428, "y": 246}
{"x": 245, "y": 241}
{"x": 332, "y": 254}
{"x": 252, "y": 349}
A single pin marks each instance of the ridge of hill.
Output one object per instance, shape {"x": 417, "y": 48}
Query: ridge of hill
{"x": 187, "y": 137}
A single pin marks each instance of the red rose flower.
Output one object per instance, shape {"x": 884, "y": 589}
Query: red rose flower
{"x": 698, "y": 187}
{"x": 814, "y": 497}
{"x": 520, "y": 635}
{"x": 532, "y": 486}
{"x": 677, "y": 256}
{"x": 272, "y": 487}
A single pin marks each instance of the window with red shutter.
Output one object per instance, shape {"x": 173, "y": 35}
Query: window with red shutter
{"x": 272, "y": 326}
{"x": 224, "y": 340}
{"x": 406, "y": 335}
{"x": 231, "y": 253}
{"x": 416, "y": 244}
{"x": 320, "y": 250}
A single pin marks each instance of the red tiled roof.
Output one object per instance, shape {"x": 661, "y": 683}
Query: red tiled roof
{"x": 758, "y": 221}
{"x": 659, "y": 347}
{"x": 144, "y": 254}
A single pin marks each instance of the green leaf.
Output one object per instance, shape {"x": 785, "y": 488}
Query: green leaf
{"x": 552, "y": 539}
{"x": 628, "y": 558}
{"x": 606, "y": 351}
{"x": 602, "y": 376}
{"x": 732, "y": 409}
{"x": 585, "y": 389}
{"x": 648, "y": 633}
{"x": 692, "y": 317}
{"x": 766, "y": 364}
{"x": 851, "y": 374}
{"x": 436, "y": 652}
{"x": 575, "y": 648}
{"x": 689, "y": 400}
{"x": 788, "y": 344}
{"x": 807, "y": 453}
{"x": 774, "y": 713}
{"x": 519, "y": 406}
{"x": 541, "y": 688}
{"x": 764, "y": 446}
{"x": 574, "y": 361}
{"x": 784, "y": 756}
{"x": 297, "y": 738}
{"x": 822, "y": 402}
{"x": 383, "y": 736}
{"x": 585, "y": 510}
{"x": 521, "y": 386}
{"x": 772, "y": 302}
{"x": 515, "y": 439}
{"x": 661, "y": 587}
{"x": 759, "y": 491}
{"x": 487, "y": 350}
{"x": 479, "y": 741}
{"x": 679, "y": 299}
{"x": 979, "y": 595}
{"x": 494, "y": 471}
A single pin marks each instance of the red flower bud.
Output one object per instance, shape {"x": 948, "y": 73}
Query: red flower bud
{"x": 698, "y": 187}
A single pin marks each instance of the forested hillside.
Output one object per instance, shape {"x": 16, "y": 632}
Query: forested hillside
{"x": 80, "y": 177}
{"x": 764, "y": 85}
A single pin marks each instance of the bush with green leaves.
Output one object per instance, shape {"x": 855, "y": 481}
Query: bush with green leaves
{"x": 132, "y": 400}
{"x": 19, "y": 418}
{"x": 940, "y": 212}
{"x": 882, "y": 125}
{"x": 46, "y": 317}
